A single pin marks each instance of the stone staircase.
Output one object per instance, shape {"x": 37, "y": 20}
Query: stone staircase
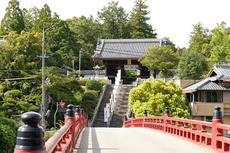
{"x": 121, "y": 106}
{"x": 99, "y": 121}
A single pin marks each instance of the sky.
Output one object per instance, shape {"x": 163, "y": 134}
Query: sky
{"x": 170, "y": 18}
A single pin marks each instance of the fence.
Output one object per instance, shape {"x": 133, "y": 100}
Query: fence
{"x": 30, "y": 137}
{"x": 180, "y": 127}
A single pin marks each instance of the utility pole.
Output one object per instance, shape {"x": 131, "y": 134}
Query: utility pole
{"x": 43, "y": 81}
{"x": 79, "y": 63}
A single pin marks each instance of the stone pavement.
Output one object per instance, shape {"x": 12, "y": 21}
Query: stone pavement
{"x": 133, "y": 140}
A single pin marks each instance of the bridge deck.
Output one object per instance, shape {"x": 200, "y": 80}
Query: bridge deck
{"x": 133, "y": 140}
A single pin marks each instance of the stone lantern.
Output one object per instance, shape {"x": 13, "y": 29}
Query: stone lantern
{"x": 97, "y": 68}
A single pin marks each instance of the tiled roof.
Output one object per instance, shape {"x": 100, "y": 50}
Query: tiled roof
{"x": 124, "y": 48}
{"x": 223, "y": 71}
{"x": 219, "y": 72}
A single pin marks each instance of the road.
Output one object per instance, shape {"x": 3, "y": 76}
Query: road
{"x": 133, "y": 140}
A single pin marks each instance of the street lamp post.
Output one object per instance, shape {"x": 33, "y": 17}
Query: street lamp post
{"x": 79, "y": 63}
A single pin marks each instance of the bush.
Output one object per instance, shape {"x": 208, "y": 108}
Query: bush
{"x": 93, "y": 85}
{"x": 75, "y": 74}
{"x": 102, "y": 81}
{"x": 89, "y": 95}
{"x": 8, "y": 134}
{"x": 83, "y": 81}
{"x": 49, "y": 134}
{"x": 89, "y": 107}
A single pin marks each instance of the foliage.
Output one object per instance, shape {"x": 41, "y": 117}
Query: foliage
{"x": 166, "y": 74}
{"x": 30, "y": 16}
{"x": 114, "y": 19}
{"x": 89, "y": 102}
{"x": 193, "y": 66}
{"x": 155, "y": 96}
{"x": 93, "y": 85}
{"x": 14, "y": 104}
{"x": 219, "y": 45}
{"x": 198, "y": 37}
{"x": 90, "y": 96}
{"x": 102, "y": 81}
{"x": 130, "y": 76}
{"x": 159, "y": 57}
{"x": 19, "y": 52}
{"x": 83, "y": 81}
{"x": 138, "y": 21}
{"x": 49, "y": 134}
{"x": 13, "y": 19}
{"x": 75, "y": 74}
{"x": 8, "y": 134}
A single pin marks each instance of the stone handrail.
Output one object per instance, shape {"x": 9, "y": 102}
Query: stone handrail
{"x": 107, "y": 82}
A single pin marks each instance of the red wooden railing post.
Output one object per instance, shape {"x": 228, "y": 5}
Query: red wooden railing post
{"x": 133, "y": 117}
{"x": 30, "y": 137}
{"x": 167, "y": 114}
{"x": 82, "y": 118}
{"x": 124, "y": 122}
{"x": 78, "y": 113}
{"x": 217, "y": 118}
{"x": 70, "y": 115}
{"x": 144, "y": 116}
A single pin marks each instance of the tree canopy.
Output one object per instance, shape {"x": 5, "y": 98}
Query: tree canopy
{"x": 154, "y": 96}
{"x": 192, "y": 66}
{"x": 138, "y": 21}
{"x": 160, "y": 58}
{"x": 13, "y": 19}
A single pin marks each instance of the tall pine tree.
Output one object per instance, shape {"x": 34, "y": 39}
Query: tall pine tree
{"x": 198, "y": 37}
{"x": 138, "y": 21}
{"x": 13, "y": 19}
{"x": 114, "y": 19}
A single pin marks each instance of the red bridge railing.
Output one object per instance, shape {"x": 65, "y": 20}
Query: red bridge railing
{"x": 180, "y": 127}
{"x": 30, "y": 138}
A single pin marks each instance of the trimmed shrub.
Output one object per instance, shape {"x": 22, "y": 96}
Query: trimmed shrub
{"x": 89, "y": 95}
{"x": 102, "y": 81}
{"x": 93, "y": 85}
{"x": 89, "y": 107}
{"x": 94, "y": 92}
{"x": 83, "y": 81}
{"x": 8, "y": 134}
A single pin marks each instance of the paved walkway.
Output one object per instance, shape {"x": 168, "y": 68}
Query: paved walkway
{"x": 133, "y": 140}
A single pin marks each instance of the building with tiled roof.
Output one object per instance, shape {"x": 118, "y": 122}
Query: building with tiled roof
{"x": 124, "y": 53}
{"x": 213, "y": 91}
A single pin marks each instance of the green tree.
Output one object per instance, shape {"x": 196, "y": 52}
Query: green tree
{"x": 198, "y": 37}
{"x": 13, "y": 19}
{"x": 138, "y": 21}
{"x": 44, "y": 16}
{"x": 19, "y": 52}
{"x": 13, "y": 104}
{"x": 192, "y": 65}
{"x": 87, "y": 30}
{"x": 154, "y": 96}
{"x": 8, "y": 134}
{"x": 29, "y": 17}
{"x": 114, "y": 19}
{"x": 160, "y": 58}
{"x": 219, "y": 45}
